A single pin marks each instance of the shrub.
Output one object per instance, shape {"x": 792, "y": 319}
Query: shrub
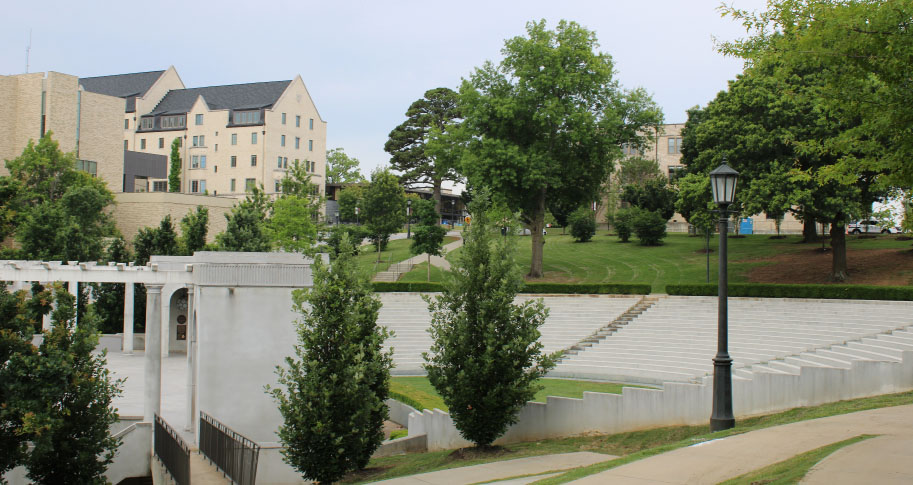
{"x": 486, "y": 355}
{"x": 583, "y": 224}
{"x": 650, "y": 227}
{"x": 624, "y": 223}
{"x": 766, "y": 290}
{"x": 333, "y": 391}
{"x": 336, "y": 234}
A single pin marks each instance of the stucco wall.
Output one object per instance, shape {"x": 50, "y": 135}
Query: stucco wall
{"x": 136, "y": 210}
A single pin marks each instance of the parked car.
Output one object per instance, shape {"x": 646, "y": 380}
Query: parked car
{"x": 859, "y": 227}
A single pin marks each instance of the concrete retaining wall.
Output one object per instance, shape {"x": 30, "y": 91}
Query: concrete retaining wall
{"x": 399, "y": 412}
{"x": 679, "y": 403}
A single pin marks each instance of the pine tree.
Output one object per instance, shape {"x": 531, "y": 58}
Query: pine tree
{"x": 332, "y": 392}
{"x": 486, "y": 355}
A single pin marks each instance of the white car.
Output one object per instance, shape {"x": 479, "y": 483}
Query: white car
{"x": 859, "y": 227}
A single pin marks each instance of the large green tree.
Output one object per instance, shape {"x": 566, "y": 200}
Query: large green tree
{"x": 342, "y": 169}
{"x": 194, "y": 227}
{"x": 548, "y": 122}
{"x": 333, "y": 390}
{"x": 412, "y": 144}
{"x": 385, "y": 207}
{"x": 486, "y": 355}
{"x": 428, "y": 234}
{"x": 246, "y": 227}
{"x": 349, "y": 198}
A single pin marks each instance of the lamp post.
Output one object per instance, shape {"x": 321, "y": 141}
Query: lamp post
{"x": 409, "y": 219}
{"x": 356, "y": 215}
{"x": 723, "y": 181}
{"x": 337, "y": 218}
{"x": 452, "y": 204}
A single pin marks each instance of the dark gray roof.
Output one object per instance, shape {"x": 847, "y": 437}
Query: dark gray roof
{"x": 234, "y": 96}
{"x": 127, "y": 86}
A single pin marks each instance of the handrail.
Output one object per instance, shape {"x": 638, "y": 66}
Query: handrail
{"x": 173, "y": 452}
{"x": 235, "y": 455}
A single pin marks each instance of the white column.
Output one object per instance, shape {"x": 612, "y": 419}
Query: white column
{"x": 166, "y": 320}
{"x": 152, "y": 391}
{"x": 191, "y": 338}
{"x": 46, "y": 319}
{"x": 73, "y": 288}
{"x": 128, "y": 318}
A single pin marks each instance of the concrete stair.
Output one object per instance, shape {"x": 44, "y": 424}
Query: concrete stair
{"x": 625, "y": 318}
{"x": 394, "y": 272}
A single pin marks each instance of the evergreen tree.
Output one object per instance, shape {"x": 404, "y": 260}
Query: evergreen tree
{"x": 174, "y": 174}
{"x": 486, "y": 355}
{"x": 333, "y": 390}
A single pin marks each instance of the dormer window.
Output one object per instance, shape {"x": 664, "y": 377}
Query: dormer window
{"x": 246, "y": 117}
{"x": 147, "y": 123}
{"x": 173, "y": 121}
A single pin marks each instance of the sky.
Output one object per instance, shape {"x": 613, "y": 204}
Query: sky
{"x": 364, "y": 63}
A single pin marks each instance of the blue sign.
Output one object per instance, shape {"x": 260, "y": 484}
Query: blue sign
{"x": 746, "y": 226}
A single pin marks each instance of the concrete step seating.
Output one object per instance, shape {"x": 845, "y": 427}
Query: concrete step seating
{"x": 572, "y": 318}
{"x": 676, "y": 338}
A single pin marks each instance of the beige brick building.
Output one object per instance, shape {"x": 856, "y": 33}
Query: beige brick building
{"x": 83, "y": 122}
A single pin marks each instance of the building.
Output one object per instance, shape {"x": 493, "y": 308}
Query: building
{"x": 86, "y": 123}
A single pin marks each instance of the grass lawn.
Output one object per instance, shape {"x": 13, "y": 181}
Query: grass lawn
{"x": 681, "y": 259}
{"x": 793, "y": 469}
{"x": 628, "y": 446}
{"x": 419, "y": 390}
{"x": 396, "y": 252}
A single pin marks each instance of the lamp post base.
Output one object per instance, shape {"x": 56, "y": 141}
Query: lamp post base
{"x": 721, "y": 424}
{"x": 722, "y": 417}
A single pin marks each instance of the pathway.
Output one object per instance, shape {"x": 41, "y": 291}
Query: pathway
{"x": 398, "y": 269}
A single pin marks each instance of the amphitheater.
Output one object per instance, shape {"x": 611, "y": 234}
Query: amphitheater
{"x": 659, "y": 339}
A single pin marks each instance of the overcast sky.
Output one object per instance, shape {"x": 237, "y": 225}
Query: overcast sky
{"x": 365, "y": 62}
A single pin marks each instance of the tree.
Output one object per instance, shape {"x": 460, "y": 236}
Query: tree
{"x": 695, "y": 202}
{"x": 57, "y": 212}
{"x": 428, "y": 235}
{"x": 486, "y": 356}
{"x": 561, "y": 210}
{"x": 415, "y": 145}
{"x": 548, "y": 123}
{"x": 335, "y": 386}
{"x": 637, "y": 171}
{"x": 174, "y": 174}
{"x": 245, "y": 230}
{"x": 194, "y": 226}
{"x": 291, "y": 226}
{"x": 342, "y": 169}
{"x": 649, "y": 226}
{"x": 583, "y": 224}
{"x": 654, "y": 194}
{"x": 349, "y": 198}
{"x": 385, "y": 207}
{"x": 65, "y": 396}
{"x": 109, "y": 297}
{"x": 162, "y": 241}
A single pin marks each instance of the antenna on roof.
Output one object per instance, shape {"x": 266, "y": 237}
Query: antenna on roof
{"x": 28, "y": 51}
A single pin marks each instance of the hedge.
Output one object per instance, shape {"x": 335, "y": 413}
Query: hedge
{"x": 560, "y": 288}
{"x": 841, "y": 292}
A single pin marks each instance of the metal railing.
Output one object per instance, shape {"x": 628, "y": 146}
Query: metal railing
{"x": 235, "y": 455}
{"x": 172, "y": 451}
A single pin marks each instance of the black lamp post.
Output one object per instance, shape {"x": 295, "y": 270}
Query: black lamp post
{"x": 408, "y": 218}
{"x": 723, "y": 181}
{"x": 452, "y": 208}
{"x": 337, "y": 218}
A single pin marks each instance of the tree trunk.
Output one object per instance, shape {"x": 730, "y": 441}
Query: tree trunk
{"x": 809, "y": 230}
{"x": 429, "y": 266}
{"x": 537, "y": 223}
{"x": 838, "y": 246}
{"x": 436, "y": 195}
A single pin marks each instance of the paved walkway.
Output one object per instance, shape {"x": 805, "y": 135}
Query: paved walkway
{"x": 439, "y": 261}
{"x": 504, "y": 469}
{"x": 888, "y": 459}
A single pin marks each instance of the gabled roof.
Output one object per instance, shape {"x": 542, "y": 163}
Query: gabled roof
{"x": 234, "y": 96}
{"x": 127, "y": 86}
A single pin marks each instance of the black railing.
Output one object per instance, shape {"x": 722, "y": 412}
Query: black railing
{"x": 172, "y": 451}
{"x": 235, "y": 455}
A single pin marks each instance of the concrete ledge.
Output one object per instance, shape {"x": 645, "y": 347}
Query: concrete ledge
{"x": 399, "y": 446}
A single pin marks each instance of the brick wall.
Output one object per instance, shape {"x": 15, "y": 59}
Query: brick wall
{"x": 136, "y": 210}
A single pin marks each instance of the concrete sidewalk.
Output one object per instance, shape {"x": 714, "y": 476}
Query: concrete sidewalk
{"x": 519, "y": 467}
{"x": 439, "y": 261}
{"x": 888, "y": 459}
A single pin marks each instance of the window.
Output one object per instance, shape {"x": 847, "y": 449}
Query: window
{"x": 126, "y": 124}
{"x": 234, "y": 138}
{"x": 232, "y": 185}
{"x": 197, "y": 186}
{"x": 199, "y": 119}
{"x": 253, "y": 160}
{"x": 313, "y": 166}
{"x": 311, "y": 123}
{"x": 297, "y": 142}
{"x": 675, "y": 144}
{"x": 285, "y": 162}
{"x": 147, "y": 123}
{"x": 246, "y": 117}
{"x": 310, "y": 145}
{"x": 297, "y": 121}
{"x": 675, "y": 172}
{"x": 278, "y": 186}
{"x": 199, "y": 141}
{"x": 280, "y": 162}
{"x": 253, "y": 138}
{"x": 160, "y": 186}
{"x": 173, "y": 121}
{"x": 87, "y": 166}
{"x": 283, "y": 118}
{"x": 234, "y": 161}
{"x": 282, "y": 141}
{"x": 161, "y": 143}
{"x": 630, "y": 149}
{"x": 142, "y": 144}
{"x": 198, "y": 161}
{"x": 249, "y": 184}
{"x": 125, "y": 145}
